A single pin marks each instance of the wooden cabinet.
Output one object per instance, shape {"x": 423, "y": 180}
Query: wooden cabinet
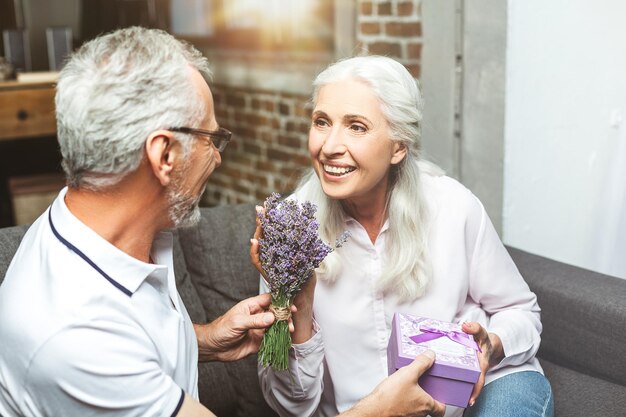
{"x": 28, "y": 149}
{"x": 26, "y": 110}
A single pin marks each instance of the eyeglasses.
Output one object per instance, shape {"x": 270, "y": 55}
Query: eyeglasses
{"x": 219, "y": 137}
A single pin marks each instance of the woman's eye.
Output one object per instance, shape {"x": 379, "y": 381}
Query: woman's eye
{"x": 358, "y": 128}
{"x": 320, "y": 122}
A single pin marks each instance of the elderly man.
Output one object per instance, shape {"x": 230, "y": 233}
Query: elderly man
{"x": 91, "y": 322}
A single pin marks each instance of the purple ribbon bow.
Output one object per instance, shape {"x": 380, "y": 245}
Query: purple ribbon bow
{"x": 432, "y": 333}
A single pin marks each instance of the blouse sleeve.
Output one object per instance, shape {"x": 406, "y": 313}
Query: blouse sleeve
{"x": 497, "y": 285}
{"x": 297, "y": 391}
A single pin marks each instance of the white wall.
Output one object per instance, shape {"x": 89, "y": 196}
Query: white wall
{"x": 565, "y": 131}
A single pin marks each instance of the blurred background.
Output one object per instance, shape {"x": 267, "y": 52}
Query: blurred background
{"x": 525, "y": 100}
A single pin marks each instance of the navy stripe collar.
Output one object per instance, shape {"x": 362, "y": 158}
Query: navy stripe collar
{"x": 91, "y": 263}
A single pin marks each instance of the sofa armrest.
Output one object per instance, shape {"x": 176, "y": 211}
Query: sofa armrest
{"x": 583, "y": 315}
{"x": 10, "y": 238}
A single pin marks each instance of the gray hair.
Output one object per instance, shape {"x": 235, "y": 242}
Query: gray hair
{"x": 117, "y": 89}
{"x": 407, "y": 269}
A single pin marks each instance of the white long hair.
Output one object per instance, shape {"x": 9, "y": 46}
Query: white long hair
{"x": 407, "y": 270}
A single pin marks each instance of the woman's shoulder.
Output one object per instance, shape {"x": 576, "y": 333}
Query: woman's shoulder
{"x": 448, "y": 199}
{"x": 443, "y": 187}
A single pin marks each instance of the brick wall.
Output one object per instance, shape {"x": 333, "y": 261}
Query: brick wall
{"x": 392, "y": 28}
{"x": 269, "y": 148}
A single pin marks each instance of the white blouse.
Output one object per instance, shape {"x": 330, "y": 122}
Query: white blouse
{"x": 474, "y": 279}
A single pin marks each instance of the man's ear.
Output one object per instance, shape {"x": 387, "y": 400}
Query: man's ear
{"x": 399, "y": 153}
{"x": 161, "y": 152}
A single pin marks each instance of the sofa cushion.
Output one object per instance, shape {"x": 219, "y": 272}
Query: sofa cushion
{"x": 578, "y": 394}
{"x": 217, "y": 257}
{"x": 185, "y": 285}
{"x": 10, "y": 239}
{"x": 582, "y": 314}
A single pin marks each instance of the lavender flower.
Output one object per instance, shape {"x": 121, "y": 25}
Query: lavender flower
{"x": 290, "y": 250}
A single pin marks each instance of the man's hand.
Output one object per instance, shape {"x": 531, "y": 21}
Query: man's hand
{"x": 491, "y": 353}
{"x": 237, "y": 333}
{"x": 400, "y": 395}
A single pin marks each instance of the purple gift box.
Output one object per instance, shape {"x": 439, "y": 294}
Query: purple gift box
{"x": 456, "y": 369}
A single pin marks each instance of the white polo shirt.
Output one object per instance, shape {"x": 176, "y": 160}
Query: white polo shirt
{"x": 86, "y": 329}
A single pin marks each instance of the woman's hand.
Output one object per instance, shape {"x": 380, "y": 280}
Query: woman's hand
{"x": 303, "y": 317}
{"x": 491, "y": 353}
{"x": 255, "y": 251}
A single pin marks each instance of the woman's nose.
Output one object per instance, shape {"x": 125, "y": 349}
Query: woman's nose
{"x": 334, "y": 142}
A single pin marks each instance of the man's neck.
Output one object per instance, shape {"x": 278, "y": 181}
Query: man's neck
{"x": 125, "y": 215}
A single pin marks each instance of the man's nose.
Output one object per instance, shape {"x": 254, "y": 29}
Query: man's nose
{"x": 218, "y": 157}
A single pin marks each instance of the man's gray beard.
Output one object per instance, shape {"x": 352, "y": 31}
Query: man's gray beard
{"x": 184, "y": 209}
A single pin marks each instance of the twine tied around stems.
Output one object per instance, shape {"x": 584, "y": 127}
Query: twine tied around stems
{"x": 281, "y": 313}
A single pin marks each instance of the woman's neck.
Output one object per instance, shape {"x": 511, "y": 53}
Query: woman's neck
{"x": 370, "y": 213}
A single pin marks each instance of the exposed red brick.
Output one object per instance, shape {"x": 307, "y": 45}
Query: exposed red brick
{"x": 241, "y": 188}
{"x": 405, "y": 8}
{"x": 229, "y": 172}
{"x": 304, "y": 127}
{"x": 252, "y": 148}
{"x": 255, "y": 103}
{"x": 386, "y": 48}
{"x": 414, "y": 69}
{"x": 304, "y": 109}
{"x": 257, "y": 120}
{"x": 236, "y": 100}
{"x": 261, "y": 195}
{"x": 243, "y": 133}
{"x": 292, "y": 142}
{"x": 275, "y": 154}
{"x": 414, "y": 50}
{"x": 269, "y": 106}
{"x": 284, "y": 109}
{"x": 403, "y": 29}
{"x": 366, "y": 8}
{"x": 370, "y": 28}
{"x": 221, "y": 113}
{"x": 217, "y": 181}
{"x": 257, "y": 180}
{"x": 266, "y": 166}
{"x": 237, "y": 160}
{"x": 384, "y": 9}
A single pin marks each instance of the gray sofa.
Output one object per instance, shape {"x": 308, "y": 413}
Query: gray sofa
{"x": 583, "y": 351}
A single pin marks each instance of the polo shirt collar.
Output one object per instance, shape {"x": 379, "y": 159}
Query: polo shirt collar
{"x": 120, "y": 267}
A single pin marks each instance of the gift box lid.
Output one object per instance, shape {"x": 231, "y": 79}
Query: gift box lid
{"x": 454, "y": 360}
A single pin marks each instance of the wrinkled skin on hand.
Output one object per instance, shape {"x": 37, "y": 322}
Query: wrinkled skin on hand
{"x": 491, "y": 353}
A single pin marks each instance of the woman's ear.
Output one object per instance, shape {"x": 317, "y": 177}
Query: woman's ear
{"x": 161, "y": 154}
{"x": 399, "y": 153}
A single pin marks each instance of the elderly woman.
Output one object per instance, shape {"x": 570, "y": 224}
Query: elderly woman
{"x": 421, "y": 243}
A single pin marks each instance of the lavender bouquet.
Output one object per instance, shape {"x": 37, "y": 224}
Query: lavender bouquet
{"x": 290, "y": 250}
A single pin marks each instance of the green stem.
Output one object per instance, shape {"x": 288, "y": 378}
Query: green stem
{"x": 274, "y": 350}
